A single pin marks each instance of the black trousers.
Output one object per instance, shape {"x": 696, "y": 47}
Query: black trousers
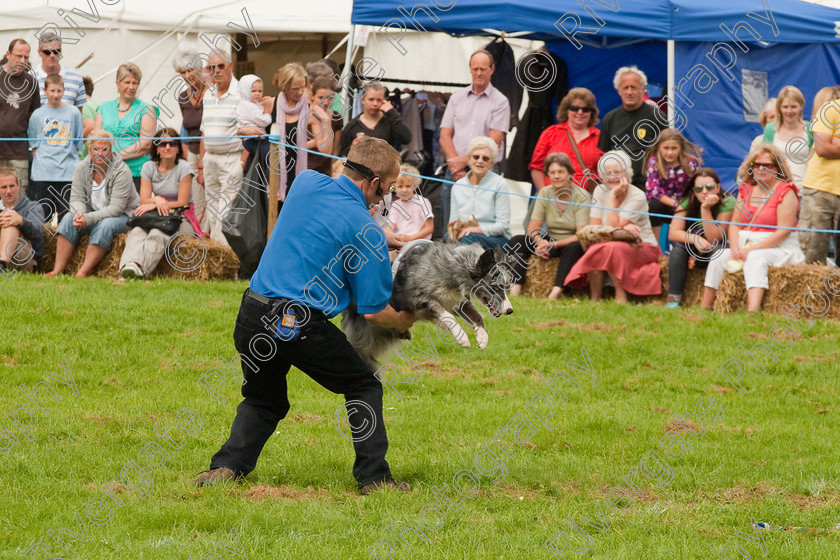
{"x": 657, "y": 207}
{"x": 678, "y": 267}
{"x": 525, "y": 247}
{"x": 54, "y": 196}
{"x": 323, "y": 353}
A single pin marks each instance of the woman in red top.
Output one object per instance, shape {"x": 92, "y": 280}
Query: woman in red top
{"x": 767, "y": 197}
{"x": 577, "y": 115}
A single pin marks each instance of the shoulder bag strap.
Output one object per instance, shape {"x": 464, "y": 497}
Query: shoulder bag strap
{"x": 759, "y": 209}
{"x": 571, "y": 138}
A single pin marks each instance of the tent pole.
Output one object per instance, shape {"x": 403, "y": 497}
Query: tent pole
{"x": 345, "y": 76}
{"x": 671, "y": 78}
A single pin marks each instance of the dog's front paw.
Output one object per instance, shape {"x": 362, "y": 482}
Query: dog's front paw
{"x": 481, "y": 338}
{"x": 462, "y": 338}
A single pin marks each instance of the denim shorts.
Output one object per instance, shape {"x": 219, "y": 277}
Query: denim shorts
{"x": 101, "y": 234}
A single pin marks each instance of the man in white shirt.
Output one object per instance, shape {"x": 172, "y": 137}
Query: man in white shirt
{"x": 220, "y": 167}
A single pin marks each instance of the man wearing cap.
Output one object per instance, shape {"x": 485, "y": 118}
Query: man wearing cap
{"x": 325, "y": 253}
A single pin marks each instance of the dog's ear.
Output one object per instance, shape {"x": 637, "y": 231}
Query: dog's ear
{"x": 484, "y": 265}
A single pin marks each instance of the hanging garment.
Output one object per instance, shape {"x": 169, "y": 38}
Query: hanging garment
{"x": 411, "y": 118}
{"x": 542, "y": 104}
{"x": 504, "y": 76}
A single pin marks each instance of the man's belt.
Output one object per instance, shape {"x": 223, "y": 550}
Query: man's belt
{"x": 260, "y": 298}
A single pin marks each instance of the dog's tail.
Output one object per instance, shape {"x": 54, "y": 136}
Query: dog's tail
{"x": 371, "y": 342}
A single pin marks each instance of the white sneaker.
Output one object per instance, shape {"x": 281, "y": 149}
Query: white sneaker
{"x": 132, "y": 270}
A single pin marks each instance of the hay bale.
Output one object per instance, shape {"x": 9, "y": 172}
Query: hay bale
{"x": 539, "y": 278}
{"x": 187, "y": 257}
{"x": 190, "y": 258}
{"x": 788, "y": 286}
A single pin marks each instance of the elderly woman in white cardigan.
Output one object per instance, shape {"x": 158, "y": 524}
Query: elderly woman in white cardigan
{"x": 481, "y": 194}
{"x": 101, "y": 199}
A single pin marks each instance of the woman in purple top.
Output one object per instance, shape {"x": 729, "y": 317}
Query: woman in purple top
{"x": 672, "y": 161}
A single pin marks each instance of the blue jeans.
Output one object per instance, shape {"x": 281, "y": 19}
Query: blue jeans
{"x": 101, "y": 234}
{"x": 486, "y": 241}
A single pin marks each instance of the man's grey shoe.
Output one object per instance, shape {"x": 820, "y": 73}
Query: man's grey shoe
{"x": 390, "y": 483}
{"x": 214, "y": 476}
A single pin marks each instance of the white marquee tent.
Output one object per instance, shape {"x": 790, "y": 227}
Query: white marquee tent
{"x": 150, "y": 32}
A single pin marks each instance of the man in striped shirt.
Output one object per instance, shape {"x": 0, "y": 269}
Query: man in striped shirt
{"x": 220, "y": 157}
{"x": 49, "y": 49}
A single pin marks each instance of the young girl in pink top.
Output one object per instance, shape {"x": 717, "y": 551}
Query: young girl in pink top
{"x": 410, "y": 213}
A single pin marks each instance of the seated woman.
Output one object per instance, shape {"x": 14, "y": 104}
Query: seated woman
{"x": 562, "y": 221}
{"x": 632, "y": 268}
{"x": 102, "y": 197}
{"x": 489, "y": 204}
{"x": 767, "y": 197}
{"x": 165, "y": 183}
{"x": 692, "y": 240}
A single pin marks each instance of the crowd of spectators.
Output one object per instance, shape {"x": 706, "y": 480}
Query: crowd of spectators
{"x": 633, "y": 173}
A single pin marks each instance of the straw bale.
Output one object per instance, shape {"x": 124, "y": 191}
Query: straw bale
{"x": 789, "y": 286}
{"x": 539, "y": 278}
{"x": 187, "y": 257}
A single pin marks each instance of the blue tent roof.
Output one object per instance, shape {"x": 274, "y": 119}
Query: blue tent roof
{"x": 681, "y": 20}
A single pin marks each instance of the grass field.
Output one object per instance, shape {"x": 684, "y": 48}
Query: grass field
{"x": 137, "y": 354}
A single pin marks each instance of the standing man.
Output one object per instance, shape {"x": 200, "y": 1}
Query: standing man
{"x": 821, "y": 186}
{"x": 635, "y": 126}
{"x": 477, "y": 110}
{"x": 49, "y": 49}
{"x": 18, "y": 100}
{"x": 21, "y": 225}
{"x": 325, "y": 252}
{"x": 219, "y": 165}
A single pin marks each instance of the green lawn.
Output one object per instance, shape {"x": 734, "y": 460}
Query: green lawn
{"x": 133, "y": 408}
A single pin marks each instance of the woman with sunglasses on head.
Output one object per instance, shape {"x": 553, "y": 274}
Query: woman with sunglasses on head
{"x": 767, "y": 197}
{"x": 102, "y": 198}
{"x": 164, "y": 184}
{"x": 131, "y": 121}
{"x": 480, "y": 194}
{"x": 577, "y": 115}
{"x": 693, "y": 240}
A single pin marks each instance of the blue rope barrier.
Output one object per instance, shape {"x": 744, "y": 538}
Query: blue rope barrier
{"x": 275, "y": 139}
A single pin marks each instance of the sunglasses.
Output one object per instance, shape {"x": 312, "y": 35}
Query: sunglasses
{"x": 707, "y": 187}
{"x": 213, "y": 67}
{"x": 576, "y": 108}
{"x": 766, "y": 165}
{"x": 167, "y": 144}
{"x": 369, "y": 175}
{"x": 48, "y": 52}
{"x": 477, "y": 157}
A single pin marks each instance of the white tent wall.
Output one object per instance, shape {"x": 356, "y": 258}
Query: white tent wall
{"x": 421, "y": 61}
{"x": 285, "y": 33}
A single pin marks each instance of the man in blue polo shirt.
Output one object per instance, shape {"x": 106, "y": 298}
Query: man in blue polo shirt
{"x": 325, "y": 252}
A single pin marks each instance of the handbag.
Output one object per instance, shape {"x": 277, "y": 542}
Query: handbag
{"x": 152, "y": 220}
{"x": 593, "y": 234}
